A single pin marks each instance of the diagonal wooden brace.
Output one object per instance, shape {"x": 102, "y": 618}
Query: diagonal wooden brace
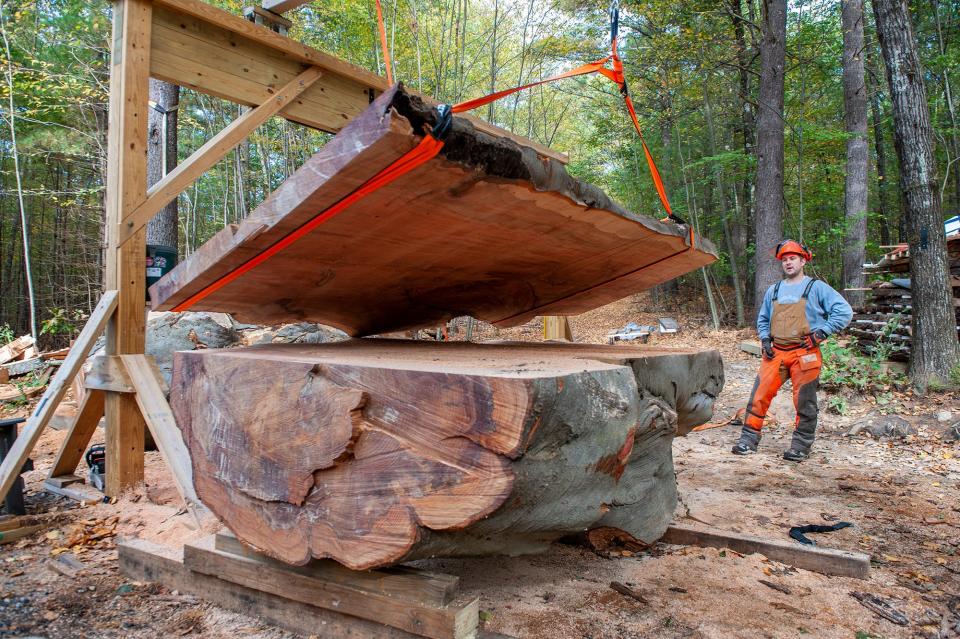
{"x": 13, "y": 462}
{"x": 175, "y": 182}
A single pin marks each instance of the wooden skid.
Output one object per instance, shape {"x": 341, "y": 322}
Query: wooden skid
{"x": 484, "y": 229}
{"x": 293, "y": 600}
{"x": 823, "y": 560}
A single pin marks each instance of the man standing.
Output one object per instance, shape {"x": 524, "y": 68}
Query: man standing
{"x": 796, "y": 315}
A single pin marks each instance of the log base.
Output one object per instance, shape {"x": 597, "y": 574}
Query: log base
{"x": 373, "y": 451}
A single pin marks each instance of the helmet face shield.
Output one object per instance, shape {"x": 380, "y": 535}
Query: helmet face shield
{"x": 786, "y": 247}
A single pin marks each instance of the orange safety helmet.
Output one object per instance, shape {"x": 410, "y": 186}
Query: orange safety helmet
{"x": 792, "y": 246}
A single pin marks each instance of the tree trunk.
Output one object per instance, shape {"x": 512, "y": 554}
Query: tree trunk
{"x": 378, "y": 451}
{"x": 740, "y": 227}
{"x": 724, "y": 211}
{"x": 885, "y": 207}
{"x": 162, "y": 146}
{"x": 855, "y": 118}
{"x": 934, "y": 354}
{"x": 768, "y": 219}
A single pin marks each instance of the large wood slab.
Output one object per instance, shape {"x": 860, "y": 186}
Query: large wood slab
{"x": 376, "y": 451}
{"x": 488, "y": 228}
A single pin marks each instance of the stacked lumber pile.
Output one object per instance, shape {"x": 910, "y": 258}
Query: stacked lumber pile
{"x": 377, "y": 451}
{"x": 885, "y": 317}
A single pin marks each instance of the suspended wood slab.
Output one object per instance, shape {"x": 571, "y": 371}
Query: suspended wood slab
{"x": 487, "y": 228}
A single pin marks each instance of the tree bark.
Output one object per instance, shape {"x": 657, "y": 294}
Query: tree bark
{"x": 768, "y": 220}
{"x": 885, "y": 207}
{"x": 377, "y": 451}
{"x": 162, "y": 145}
{"x": 855, "y": 118}
{"x": 935, "y": 352}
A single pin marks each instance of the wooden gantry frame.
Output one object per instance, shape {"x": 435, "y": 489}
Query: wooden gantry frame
{"x": 194, "y": 45}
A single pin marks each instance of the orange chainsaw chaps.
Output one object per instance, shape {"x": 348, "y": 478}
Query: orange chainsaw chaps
{"x": 800, "y": 365}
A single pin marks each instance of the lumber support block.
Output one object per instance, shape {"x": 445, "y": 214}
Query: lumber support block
{"x": 823, "y": 560}
{"x": 279, "y": 594}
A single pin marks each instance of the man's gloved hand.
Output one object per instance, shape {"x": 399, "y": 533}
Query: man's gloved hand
{"x": 813, "y": 339}
{"x": 767, "y": 348}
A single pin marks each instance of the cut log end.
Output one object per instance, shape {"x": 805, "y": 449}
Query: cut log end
{"x": 377, "y": 451}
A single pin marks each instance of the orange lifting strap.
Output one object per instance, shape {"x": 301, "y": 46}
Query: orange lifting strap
{"x": 430, "y": 146}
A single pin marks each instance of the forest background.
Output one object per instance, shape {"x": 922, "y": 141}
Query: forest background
{"x": 694, "y": 73}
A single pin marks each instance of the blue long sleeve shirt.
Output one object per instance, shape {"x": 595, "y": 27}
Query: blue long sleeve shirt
{"x": 826, "y": 308}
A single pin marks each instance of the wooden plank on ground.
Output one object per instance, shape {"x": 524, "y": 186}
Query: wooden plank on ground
{"x": 81, "y": 430}
{"x": 751, "y": 346}
{"x": 13, "y": 462}
{"x": 439, "y": 623}
{"x": 823, "y": 560}
{"x": 7, "y": 536}
{"x": 22, "y": 367}
{"x": 159, "y": 418}
{"x": 146, "y": 561}
{"x": 402, "y": 582}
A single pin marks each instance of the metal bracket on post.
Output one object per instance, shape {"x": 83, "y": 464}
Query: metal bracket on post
{"x": 268, "y": 19}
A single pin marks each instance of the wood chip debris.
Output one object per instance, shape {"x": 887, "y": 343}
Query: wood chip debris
{"x": 880, "y": 607}
{"x": 629, "y": 592}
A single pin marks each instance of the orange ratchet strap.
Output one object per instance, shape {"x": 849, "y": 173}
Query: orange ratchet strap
{"x": 383, "y": 43}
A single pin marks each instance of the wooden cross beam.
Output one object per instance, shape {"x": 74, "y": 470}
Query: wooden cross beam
{"x": 177, "y": 181}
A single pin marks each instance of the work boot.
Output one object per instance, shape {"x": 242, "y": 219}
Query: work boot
{"x": 795, "y": 455}
{"x": 749, "y": 440}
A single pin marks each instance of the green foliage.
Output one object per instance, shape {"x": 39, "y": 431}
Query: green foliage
{"x": 846, "y": 368}
{"x": 6, "y": 334}
{"x": 838, "y": 405}
{"x": 61, "y": 322}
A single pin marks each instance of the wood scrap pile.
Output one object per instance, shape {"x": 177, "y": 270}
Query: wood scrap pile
{"x": 885, "y": 319}
{"x": 18, "y": 359}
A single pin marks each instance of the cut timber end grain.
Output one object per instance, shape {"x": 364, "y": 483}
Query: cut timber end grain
{"x": 487, "y": 228}
{"x": 376, "y": 451}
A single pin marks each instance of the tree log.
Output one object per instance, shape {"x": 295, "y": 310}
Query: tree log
{"x": 377, "y": 451}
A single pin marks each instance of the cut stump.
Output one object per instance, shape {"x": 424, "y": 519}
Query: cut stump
{"x": 373, "y": 452}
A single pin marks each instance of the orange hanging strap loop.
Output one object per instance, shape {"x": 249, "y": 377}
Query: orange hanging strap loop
{"x": 383, "y": 43}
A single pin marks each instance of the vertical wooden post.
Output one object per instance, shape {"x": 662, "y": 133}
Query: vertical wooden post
{"x": 126, "y": 190}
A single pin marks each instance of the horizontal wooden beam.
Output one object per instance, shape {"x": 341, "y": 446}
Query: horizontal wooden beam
{"x": 175, "y": 182}
{"x": 209, "y": 50}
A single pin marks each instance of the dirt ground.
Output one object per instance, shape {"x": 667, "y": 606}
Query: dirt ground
{"x": 901, "y": 495}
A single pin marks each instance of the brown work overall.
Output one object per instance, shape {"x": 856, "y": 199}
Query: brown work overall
{"x": 791, "y": 359}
